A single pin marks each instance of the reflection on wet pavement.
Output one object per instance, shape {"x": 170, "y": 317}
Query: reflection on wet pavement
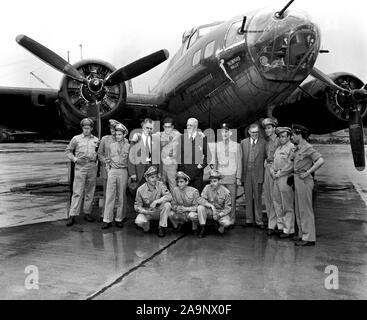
{"x": 84, "y": 262}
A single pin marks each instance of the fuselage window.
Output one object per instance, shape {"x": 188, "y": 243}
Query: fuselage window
{"x": 209, "y": 49}
{"x": 196, "y": 58}
{"x": 233, "y": 36}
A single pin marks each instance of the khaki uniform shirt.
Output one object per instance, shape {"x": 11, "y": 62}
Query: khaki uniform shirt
{"x": 220, "y": 198}
{"x": 119, "y": 154}
{"x": 146, "y": 194}
{"x": 283, "y": 157}
{"x": 229, "y": 161}
{"x": 271, "y": 145}
{"x": 304, "y": 157}
{"x": 104, "y": 147}
{"x": 84, "y": 147}
{"x": 188, "y": 198}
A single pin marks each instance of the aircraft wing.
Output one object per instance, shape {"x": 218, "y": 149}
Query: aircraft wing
{"x": 319, "y": 107}
{"x": 30, "y": 109}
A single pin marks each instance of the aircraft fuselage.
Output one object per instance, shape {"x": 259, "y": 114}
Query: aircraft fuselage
{"x": 229, "y": 76}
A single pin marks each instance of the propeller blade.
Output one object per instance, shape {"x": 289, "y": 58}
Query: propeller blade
{"x": 137, "y": 68}
{"x": 94, "y": 113}
{"x": 49, "y": 57}
{"x": 357, "y": 139}
{"x": 318, "y": 74}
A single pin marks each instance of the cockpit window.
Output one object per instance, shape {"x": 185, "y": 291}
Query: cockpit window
{"x": 288, "y": 53}
{"x": 283, "y": 49}
{"x": 233, "y": 36}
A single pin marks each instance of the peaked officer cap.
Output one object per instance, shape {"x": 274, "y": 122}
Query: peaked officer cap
{"x": 121, "y": 127}
{"x": 269, "y": 121}
{"x": 150, "y": 171}
{"x": 214, "y": 174}
{"x": 182, "y": 175}
{"x": 280, "y": 130}
{"x": 86, "y": 122}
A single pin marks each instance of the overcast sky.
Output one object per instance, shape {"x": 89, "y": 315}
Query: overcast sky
{"x": 120, "y": 31}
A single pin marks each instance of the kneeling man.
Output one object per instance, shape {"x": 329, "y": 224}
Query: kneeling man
{"x": 152, "y": 202}
{"x": 215, "y": 203}
{"x": 184, "y": 203}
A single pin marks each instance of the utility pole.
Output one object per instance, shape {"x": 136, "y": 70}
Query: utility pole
{"x": 68, "y": 56}
{"x": 81, "y": 52}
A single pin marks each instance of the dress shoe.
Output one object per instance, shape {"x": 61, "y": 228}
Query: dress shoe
{"x": 101, "y": 219}
{"x": 296, "y": 238}
{"x": 270, "y": 232}
{"x": 278, "y": 232}
{"x": 88, "y": 218}
{"x": 124, "y": 220}
{"x": 285, "y": 236}
{"x": 303, "y": 243}
{"x": 202, "y": 232}
{"x": 71, "y": 221}
{"x": 119, "y": 224}
{"x": 161, "y": 232}
{"x": 260, "y": 226}
{"x": 106, "y": 225}
{"x": 221, "y": 229}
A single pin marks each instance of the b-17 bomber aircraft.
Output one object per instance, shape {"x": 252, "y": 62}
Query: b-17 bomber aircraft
{"x": 233, "y": 71}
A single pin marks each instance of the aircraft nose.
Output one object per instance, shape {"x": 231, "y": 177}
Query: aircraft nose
{"x": 284, "y": 48}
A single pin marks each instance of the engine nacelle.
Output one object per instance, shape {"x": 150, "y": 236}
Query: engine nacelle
{"x": 75, "y": 97}
{"x": 319, "y": 107}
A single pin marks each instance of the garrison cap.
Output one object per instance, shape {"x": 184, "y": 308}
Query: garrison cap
{"x": 150, "y": 171}
{"x": 182, "y": 175}
{"x": 226, "y": 126}
{"x": 297, "y": 128}
{"x": 280, "y": 130}
{"x": 214, "y": 174}
{"x": 113, "y": 123}
{"x": 269, "y": 121}
{"x": 86, "y": 122}
{"x": 121, "y": 127}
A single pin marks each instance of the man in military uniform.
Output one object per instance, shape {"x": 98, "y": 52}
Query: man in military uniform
{"x": 306, "y": 161}
{"x": 152, "y": 202}
{"x": 116, "y": 168}
{"x": 184, "y": 203}
{"x": 169, "y": 138}
{"x": 82, "y": 150}
{"x": 103, "y": 151}
{"x": 281, "y": 170}
{"x": 215, "y": 203}
{"x": 228, "y": 161}
{"x": 269, "y": 125}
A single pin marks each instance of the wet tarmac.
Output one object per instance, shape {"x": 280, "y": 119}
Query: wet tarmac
{"x": 84, "y": 262}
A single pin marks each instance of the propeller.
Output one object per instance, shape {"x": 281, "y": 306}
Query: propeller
{"x": 136, "y": 68}
{"x": 94, "y": 84}
{"x": 352, "y": 98}
{"x": 50, "y": 57}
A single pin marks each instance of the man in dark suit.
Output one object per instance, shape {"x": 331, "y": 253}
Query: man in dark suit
{"x": 144, "y": 152}
{"x": 193, "y": 154}
{"x": 253, "y": 156}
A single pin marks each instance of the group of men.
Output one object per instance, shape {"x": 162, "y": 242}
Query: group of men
{"x": 167, "y": 168}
